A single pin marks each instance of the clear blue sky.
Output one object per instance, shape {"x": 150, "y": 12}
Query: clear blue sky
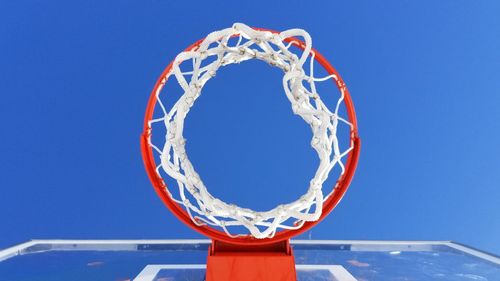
{"x": 75, "y": 78}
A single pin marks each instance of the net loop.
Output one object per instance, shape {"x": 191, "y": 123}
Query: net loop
{"x": 301, "y": 91}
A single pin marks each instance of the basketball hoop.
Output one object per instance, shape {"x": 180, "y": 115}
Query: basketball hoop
{"x": 192, "y": 68}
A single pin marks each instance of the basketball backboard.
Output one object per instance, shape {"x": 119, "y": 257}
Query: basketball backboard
{"x": 171, "y": 260}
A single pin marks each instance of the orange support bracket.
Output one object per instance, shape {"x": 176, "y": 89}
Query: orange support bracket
{"x": 232, "y": 262}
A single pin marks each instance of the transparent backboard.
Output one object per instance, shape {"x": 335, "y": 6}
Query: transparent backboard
{"x": 172, "y": 260}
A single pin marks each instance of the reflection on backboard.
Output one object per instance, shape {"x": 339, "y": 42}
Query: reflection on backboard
{"x": 171, "y": 260}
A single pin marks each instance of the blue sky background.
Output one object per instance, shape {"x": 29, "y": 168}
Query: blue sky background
{"x": 75, "y": 78}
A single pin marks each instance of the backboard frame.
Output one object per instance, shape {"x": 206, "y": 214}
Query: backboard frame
{"x": 134, "y": 245}
{"x": 147, "y": 271}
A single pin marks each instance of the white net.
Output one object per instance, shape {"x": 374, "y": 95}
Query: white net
{"x": 234, "y": 45}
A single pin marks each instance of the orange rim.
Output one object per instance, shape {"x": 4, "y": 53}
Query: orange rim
{"x": 338, "y": 190}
